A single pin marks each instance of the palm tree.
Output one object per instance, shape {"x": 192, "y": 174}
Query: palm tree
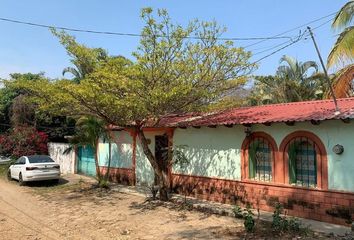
{"x": 343, "y": 49}
{"x": 292, "y": 82}
{"x": 297, "y": 85}
{"x": 89, "y": 131}
{"x": 84, "y": 59}
{"x": 343, "y": 83}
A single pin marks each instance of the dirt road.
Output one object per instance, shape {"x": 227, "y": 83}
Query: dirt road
{"x": 83, "y": 213}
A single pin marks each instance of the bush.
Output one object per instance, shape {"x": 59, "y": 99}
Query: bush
{"x": 237, "y": 210}
{"x": 22, "y": 141}
{"x": 249, "y": 222}
{"x": 282, "y": 224}
{"x": 245, "y": 214}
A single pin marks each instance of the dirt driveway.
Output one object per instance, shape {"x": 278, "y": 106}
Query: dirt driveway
{"x": 76, "y": 210}
{"x": 79, "y": 212}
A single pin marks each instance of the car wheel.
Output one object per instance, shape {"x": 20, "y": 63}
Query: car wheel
{"x": 20, "y": 180}
{"x": 9, "y": 175}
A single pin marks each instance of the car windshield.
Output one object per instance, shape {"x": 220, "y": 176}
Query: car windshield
{"x": 39, "y": 159}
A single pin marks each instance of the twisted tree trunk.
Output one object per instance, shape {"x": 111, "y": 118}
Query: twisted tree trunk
{"x": 160, "y": 171}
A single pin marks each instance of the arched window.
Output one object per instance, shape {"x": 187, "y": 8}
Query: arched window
{"x": 258, "y": 157}
{"x": 302, "y": 162}
{"x": 305, "y": 160}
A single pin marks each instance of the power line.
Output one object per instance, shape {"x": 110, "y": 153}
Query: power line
{"x": 135, "y": 34}
{"x": 283, "y": 43}
{"x": 262, "y": 39}
{"x": 293, "y": 29}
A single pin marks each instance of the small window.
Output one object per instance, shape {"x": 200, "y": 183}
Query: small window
{"x": 260, "y": 160}
{"x": 302, "y": 162}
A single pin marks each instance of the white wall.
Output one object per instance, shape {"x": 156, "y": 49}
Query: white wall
{"x": 66, "y": 161}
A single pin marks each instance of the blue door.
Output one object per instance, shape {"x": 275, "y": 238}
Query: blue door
{"x": 86, "y": 161}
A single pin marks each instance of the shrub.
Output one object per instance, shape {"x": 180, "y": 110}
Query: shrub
{"x": 22, "y": 141}
{"x": 282, "y": 224}
{"x": 249, "y": 222}
{"x": 237, "y": 210}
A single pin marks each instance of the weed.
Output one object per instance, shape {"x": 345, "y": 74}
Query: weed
{"x": 249, "y": 222}
{"x": 237, "y": 210}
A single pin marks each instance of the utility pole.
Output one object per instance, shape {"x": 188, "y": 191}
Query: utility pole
{"x": 325, "y": 72}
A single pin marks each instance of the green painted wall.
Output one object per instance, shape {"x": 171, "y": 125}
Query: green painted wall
{"x": 121, "y": 153}
{"x": 212, "y": 152}
{"x": 215, "y": 152}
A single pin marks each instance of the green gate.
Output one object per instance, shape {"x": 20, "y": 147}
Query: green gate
{"x": 86, "y": 161}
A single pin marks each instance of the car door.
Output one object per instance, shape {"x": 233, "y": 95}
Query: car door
{"x": 15, "y": 170}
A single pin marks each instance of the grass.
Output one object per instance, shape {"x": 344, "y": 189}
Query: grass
{"x": 4, "y": 168}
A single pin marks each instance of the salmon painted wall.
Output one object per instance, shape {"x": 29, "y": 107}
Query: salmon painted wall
{"x": 216, "y": 152}
{"x": 121, "y": 153}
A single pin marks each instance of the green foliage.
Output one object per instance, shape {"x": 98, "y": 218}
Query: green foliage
{"x": 83, "y": 58}
{"x": 179, "y": 157}
{"x": 249, "y": 221}
{"x": 283, "y": 224}
{"x": 291, "y": 83}
{"x": 103, "y": 183}
{"x": 342, "y": 50}
{"x": 237, "y": 210}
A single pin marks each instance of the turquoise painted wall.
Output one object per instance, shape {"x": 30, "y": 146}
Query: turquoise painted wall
{"x": 215, "y": 152}
{"x": 121, "y": 153}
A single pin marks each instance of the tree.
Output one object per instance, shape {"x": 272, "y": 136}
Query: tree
{"x": 343, "y": 49}
{"x": 177, "y": 70}
{"x": 343, "y": 82}
{"x": 83, "y": 58}
{"x": 16, "y": 109}
{"x": 291, "y": 83}
{"x": 89, "y": 131}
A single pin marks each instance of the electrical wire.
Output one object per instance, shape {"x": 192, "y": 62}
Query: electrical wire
{"x": 293, "y": 29}
{"x": 262, "y": 39}
{"x": 135, "y": 34}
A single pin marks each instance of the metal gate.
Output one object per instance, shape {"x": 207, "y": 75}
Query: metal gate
{"x": 86, "y": 161}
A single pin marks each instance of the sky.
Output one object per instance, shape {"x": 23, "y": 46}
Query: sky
{"x": 29, "y": 49}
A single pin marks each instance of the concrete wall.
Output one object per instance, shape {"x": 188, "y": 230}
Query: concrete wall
{"x": 121, "y": 151}
{"x": 66, "y": 161}
{"x": 212, "y": 152}
{"x": 215, "y": 152}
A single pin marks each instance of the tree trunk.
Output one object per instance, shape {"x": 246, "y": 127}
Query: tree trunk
{"x": 109, "y": 159}
{"x": 98, "y": 172}
{"x": 163, "y": 179}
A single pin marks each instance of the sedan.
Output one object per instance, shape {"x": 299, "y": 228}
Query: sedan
{"x": 34, "y": 168}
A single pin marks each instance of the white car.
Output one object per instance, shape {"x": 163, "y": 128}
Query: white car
{"x": 34, "y": 168}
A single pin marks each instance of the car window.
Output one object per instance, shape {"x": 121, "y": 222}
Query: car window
{"x": 20, "y": 161}
{"x": 39, "y": 159}
{"x": 23, "y": 160}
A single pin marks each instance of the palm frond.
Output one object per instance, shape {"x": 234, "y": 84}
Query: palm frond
{"x": 307, "y": 65}
{"x": 344, "y": 16}
{"x": 342, "y": 83}
{"x": 343, "y": 49}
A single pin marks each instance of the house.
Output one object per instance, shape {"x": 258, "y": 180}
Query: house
{"x": 299, "y": 154}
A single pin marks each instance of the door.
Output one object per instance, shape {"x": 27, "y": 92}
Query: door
{"x": 15, "y": 170}
{"x": 86, "y": 161}
{"x": 161, "y": 152}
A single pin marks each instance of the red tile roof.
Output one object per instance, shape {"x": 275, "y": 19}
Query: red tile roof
{"x": 284, "y": 112}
